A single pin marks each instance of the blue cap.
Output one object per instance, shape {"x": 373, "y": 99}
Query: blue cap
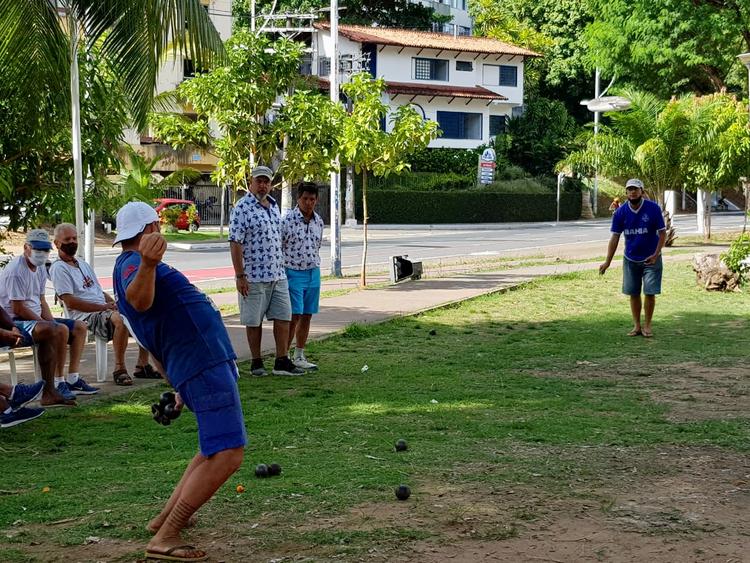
{"x": 38, "y": 239}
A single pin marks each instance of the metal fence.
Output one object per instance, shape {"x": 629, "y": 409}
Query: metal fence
{"x": 207, "y": 198}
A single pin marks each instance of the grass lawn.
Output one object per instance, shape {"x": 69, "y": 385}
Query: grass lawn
{"x": 199, "y": 236}
{"x": 520, "y": 409}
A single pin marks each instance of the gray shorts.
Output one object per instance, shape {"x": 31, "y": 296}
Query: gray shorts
{"x": 269, "y": 299}
{"x": 100, "y": 324}
{"x": 637, "y": 274}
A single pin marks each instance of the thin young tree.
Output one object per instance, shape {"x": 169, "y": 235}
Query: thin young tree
{"x": 369, "y": 148}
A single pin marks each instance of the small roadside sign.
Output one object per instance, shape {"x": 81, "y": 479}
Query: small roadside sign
{"x": 486, "y": 172}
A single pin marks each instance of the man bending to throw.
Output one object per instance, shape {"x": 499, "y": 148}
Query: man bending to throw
{"x": 182, "y": 330}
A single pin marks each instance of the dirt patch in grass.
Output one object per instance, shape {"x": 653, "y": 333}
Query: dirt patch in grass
{"x": 534, "y": 503}
{"x": 692, "y": 392}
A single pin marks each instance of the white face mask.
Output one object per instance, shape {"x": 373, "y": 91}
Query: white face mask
{"x": 39, "y": 257}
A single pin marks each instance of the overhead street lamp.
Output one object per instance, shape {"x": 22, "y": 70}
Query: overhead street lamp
{"x": 600, "y": 104}
{"x": 745, "y": 60}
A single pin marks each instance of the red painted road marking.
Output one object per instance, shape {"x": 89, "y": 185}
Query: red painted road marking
{"x": 193, "y": 275}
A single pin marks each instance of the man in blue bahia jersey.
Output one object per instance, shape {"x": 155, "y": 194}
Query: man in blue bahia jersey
{"x": 642, "y": 223}
{"x": 183, "y": 331}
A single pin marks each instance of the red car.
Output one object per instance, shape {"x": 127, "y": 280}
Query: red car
{"x": 183, "y": 222}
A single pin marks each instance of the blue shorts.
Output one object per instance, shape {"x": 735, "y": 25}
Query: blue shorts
{"x": 214, "y": 398}
{"x": 27, "y": 329}
{"x": 637, "y": 274}
{"x": 70, "y": 323}
{"x": 304, "y": 290}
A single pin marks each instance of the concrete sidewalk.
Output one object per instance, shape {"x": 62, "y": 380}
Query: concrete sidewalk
{"x": 336, "y": 313}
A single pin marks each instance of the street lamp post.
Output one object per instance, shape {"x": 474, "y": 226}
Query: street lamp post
{"x": 745, "y": 60}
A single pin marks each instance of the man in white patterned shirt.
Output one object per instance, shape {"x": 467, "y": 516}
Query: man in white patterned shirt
{"x": 301, "y": 237}
{"x": 255, "y": 246}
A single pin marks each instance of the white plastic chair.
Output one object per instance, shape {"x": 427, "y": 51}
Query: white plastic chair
{"x": 12, "y": 363}
{"x": 101, "y": 350}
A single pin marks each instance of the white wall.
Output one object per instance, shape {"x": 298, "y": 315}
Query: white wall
{"x": 400, "y": 68}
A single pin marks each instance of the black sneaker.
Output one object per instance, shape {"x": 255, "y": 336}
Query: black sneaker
{"x": 257, "y": 368}
{"x": 285, "y": 366}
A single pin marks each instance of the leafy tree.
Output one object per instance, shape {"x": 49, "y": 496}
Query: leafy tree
{"x": 386, "y": 13}
{"x": 311, "y": 125}
{"x": 238, "y": 97}
{"x": 670, "y": 46}
{"x": 368, "y": 148}
{"x": 35, "y": 145}
{"x": 552, "y": 28}
{"x": 647, "y": 141}
{"x": 718, "y": 150}
{"x": 121, "y": 46}
{"x": 539, "y": 138}
{"x": 136, "y": 35}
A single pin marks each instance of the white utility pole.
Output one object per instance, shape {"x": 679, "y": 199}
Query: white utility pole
{"x": 335, "y": 188}
{"x": 76, "y": 132}
{"x": 597, "y": 93}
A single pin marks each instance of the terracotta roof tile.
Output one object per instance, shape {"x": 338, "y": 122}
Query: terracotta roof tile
{"x": 427, "y": 40}
{"x": 439, "y": 90}
{"x": 442, "y": 91}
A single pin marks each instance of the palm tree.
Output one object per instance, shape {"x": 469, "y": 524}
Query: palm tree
{"x": 647, "y": 141}
{"x": 719, "y": 148}
{"x": 36, "y": 39}
{"x": 40, "y": 41}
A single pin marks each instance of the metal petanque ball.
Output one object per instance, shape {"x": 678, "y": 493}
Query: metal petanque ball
{"x": 401, "y": 445}
{"x": 261, "y": 470}
{"x": 403, "y": 492}
{"x": 274, "y": 469}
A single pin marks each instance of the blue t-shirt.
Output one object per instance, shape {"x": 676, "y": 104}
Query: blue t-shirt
{"x": 182, "y": 329}
{"x": 641, "y": 229}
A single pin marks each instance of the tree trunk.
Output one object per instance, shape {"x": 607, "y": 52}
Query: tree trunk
{"x": 586, "y": 211}
{"x": 363, "y": 273}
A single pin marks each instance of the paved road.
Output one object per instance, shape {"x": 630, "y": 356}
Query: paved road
{"x": 212, "y": 266}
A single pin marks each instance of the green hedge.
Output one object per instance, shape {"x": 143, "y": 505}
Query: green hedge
{"x": 390, "y": 207}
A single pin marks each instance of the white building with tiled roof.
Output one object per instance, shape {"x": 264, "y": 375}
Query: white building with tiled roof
{"x": 469, "y": 85}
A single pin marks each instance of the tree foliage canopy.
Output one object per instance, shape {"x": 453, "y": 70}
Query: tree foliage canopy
{"x": 387, "y": 13}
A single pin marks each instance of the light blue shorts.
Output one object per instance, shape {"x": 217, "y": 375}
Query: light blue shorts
{"x": 214, "y": 398}
{"x": 304, "y": 290}
{"x": 637, "y": 274}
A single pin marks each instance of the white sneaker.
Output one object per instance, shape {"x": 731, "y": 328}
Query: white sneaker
{"x": 302, "y": 363}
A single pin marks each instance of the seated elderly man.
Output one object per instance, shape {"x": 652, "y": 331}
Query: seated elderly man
{"x": 78, "y": 287}
{"x": 47, "y": 336}
{"x": 22, "y": 285}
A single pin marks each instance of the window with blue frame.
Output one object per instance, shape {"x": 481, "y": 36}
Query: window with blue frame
{"x": 500, "y": 75}
{"x": 460, "y": 125}
{"x": 430, "y": 69}
{"x": 498, "y": 124}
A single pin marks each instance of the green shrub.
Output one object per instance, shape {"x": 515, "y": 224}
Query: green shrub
{"x": 418, "y": 181}
{"x": 511, "y": 173}
{"x": 518, "y": 186}
{"x": 454, "y": 161}
{"x": 738, "y": 251}
{"x": 475, "y": 206}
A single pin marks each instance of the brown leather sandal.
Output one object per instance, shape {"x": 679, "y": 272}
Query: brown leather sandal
{"x": 122, "y": 377}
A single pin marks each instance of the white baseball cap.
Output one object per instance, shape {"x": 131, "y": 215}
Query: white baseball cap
{"x": 634, "y": 182}
{"x": 132, "y": 218}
